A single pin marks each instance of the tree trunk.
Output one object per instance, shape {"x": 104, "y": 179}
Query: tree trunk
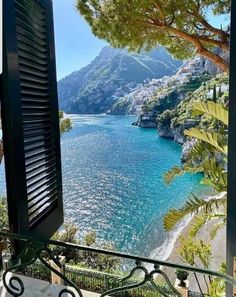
{"x": 201, "y": 50}
{"x": 217, "y": 60}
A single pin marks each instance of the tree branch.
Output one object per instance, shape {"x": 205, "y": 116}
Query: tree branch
{"x": 159, "y": 8}
{"x": 200, "y": 49}
{"x": 224, "y": 35}
{"x": 221, "y": 33}
{"x": 218, "y": 43}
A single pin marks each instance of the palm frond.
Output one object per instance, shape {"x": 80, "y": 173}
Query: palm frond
{"x": 198, "y": 223}
{"x": 211, "y": 108}
{"x": 217, "y": 227}
{"x": 202, "y": 219}
{"x": 193, "y": 205}
{"x": 214, "y": 175}
{"x": 200, "y": 150}
{"x": 179, "y": 171}
{"x": 211, "y": 138}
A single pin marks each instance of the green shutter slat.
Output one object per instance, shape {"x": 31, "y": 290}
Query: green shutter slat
{"x": 34, "y": 73}
{"x": 30, "y": 65}
{"x": 40, "y": 176}
{"x": 31, "y": 78}
{"x": 42, "y": 187}
{"x": 28, "y": 9}
{"x": 29, "y": 49}
{"x": 35, "y": 218}
{"x": 40, "y": 182}
{"x": 30, "y": 29}
{"x": 45, "y": 195}
{"x": 40, "y": 164}
{"x": 34, "y": 39}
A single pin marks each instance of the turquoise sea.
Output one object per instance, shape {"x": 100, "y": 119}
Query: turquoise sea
{"x": 113, "y": 182}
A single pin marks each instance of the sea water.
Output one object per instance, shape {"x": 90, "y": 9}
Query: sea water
{"x": 113, "y": 182}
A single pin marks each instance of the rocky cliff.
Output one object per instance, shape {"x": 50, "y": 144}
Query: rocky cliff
{"x": 173, "y": 123}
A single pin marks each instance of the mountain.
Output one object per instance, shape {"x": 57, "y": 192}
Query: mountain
{"x": 111, "y": 75}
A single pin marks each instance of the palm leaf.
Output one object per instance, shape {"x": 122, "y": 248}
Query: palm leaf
{"x": 200, "y": 150}
{"x": 201, "y": 220}
{"x": 193, "y": 205}
{"x": 217, "y": 227}
{"x": 213, "y": 109}
{"x": 179, "y": 171}
{"x": 198, "y": 223}
{"x": 210, "y": 138}
{"x": 214, "y": 175}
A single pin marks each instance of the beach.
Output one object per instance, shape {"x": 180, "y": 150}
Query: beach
{"x": 218, "y": 246}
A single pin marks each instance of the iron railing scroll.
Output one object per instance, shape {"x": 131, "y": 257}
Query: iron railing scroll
{"x": 148, "y": 270}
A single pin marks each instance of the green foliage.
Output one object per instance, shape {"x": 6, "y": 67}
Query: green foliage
{"x": 87, "y": 259}
{"x": 145, "y": 107}
{"x": 166, "y": 99}
{"x": 144, "y": 24}
{"x": 90, "y": 238}
{"x": 37, "y": 271}
{"x": 217, "y": 286}
{"x": 65, "y": 123}
{"x": 211, "y": 109}
{"x": 218, "y": 226}
{"x": 184, "y": 110}
{"x": 196, "y": 252}
{"x": 3, "y": 213}
{"x": 208, "y": 146}
{"x": 164, "y": 120}
{"x": 180, "y": 111}
{"x": 120, "y": 107}
{"x": 211, "y": 138}
{"x": 192, "y": 251}
{"x": 68, "y": 234}
{"x": 194, "y": 205}
{"x": 179, "y": 171}
{"x": 214, "y": 173}
{"x": 181, "y": 274}
{"x": 201, "y": 219}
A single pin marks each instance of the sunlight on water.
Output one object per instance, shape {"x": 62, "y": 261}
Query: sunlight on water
{"x": 113, "y": 181}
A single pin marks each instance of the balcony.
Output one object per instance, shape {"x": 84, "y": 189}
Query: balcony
{"x": 137, "y": 277}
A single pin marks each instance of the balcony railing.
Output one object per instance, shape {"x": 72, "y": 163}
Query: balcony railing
{"x": 141, "y": 277}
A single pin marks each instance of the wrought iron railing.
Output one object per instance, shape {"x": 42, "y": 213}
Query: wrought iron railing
{"x": 149, "y": 277}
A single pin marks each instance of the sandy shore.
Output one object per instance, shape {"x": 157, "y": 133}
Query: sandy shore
{"x": 218, "y": 244}
{"x": 218, "y": 251}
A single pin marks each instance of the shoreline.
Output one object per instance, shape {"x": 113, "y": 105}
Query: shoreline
{"x": 168, "y": 251}
{"x": 164, "y": 251}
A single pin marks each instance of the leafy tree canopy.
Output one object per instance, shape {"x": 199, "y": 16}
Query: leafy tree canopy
{"x": 180, "y": 26}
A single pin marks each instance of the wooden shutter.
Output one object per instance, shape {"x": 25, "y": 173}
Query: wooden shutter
{"x": 30, "y": 118}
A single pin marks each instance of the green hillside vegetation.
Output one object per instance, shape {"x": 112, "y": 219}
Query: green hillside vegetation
{"x": 168, "y": 97}
{"x": 121, "y": 107}
{"x": 177, "y": 117}
{"x": 208, "y": 154}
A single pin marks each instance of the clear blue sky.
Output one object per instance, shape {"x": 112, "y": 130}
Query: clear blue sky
{"x": 75, "y": 44}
